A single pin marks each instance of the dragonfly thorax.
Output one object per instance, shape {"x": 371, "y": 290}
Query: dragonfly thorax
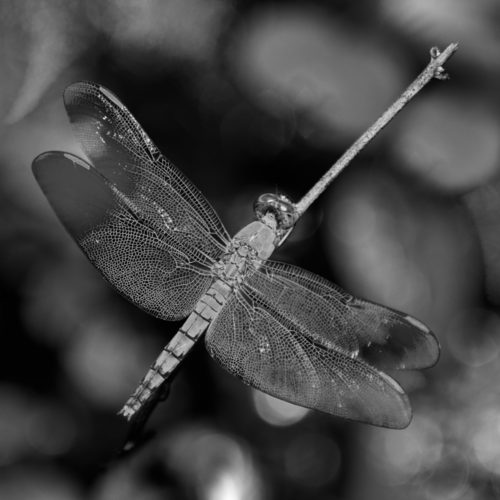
{"x": 245, "y": 254}
{"x": 259, "y": 236}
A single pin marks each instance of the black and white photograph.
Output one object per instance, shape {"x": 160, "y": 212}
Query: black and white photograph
{"x": 250, "y": 250}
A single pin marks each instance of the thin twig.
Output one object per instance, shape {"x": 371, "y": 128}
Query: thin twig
{"x": 433, "y": 70}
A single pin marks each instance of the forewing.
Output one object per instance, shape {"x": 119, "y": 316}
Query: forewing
{"x": 152, "y": 263}
{"x": 331, "y": 317}
{"x": 119, "y": 148}
{"x": 273, "y": 354}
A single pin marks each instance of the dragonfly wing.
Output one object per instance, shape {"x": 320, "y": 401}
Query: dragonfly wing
{"x": 384, "y": 337}
{"x": 152, "y": 264}
{"x": 119, "y": 148}
{"x": 273, "y": 354}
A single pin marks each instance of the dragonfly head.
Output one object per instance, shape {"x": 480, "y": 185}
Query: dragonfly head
{"x": 283, "y": 210}
{"x": 280, "y": 206}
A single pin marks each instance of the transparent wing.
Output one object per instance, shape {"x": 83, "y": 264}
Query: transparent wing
{"x": 119, "y": 148}
{"x": 331, "y": 317}
{"x": 275, "y": 355}
{"x": 156, "y": 260}
{"x": 142, "y": 223}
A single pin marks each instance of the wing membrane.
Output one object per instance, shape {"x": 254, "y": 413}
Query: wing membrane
{"x": 142, "y": 223}
{"x": 119, "y": 148}
{"x": 331, "y": 317}
{"x": 151, "y": 264}
{"x": 273, "y": 354}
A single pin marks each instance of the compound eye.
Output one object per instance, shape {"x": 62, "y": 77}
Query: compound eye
{"x": 286, "y": 207}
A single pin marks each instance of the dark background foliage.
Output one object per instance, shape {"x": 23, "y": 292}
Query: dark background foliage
{"x": 246, "y": 98}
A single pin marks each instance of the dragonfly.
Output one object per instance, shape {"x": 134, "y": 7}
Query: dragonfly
{"x": 279, "y": 328}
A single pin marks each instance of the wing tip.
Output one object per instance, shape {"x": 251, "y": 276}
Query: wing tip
{"x": 417, "y": 323}
{"x": 390, "y": 421}
{"x": 41, "y": 159}
{"x": 76, "y": 159}
{"x": 77, "y": 87}
{"x": 428, "y": 343}
{"x": 111, "y": 97}
{"x": 399, "y": 417}
{"x": 84, "y": 86}
{"x": 435, "y": 350}
{"x": 431, "y": 341}
{"x": 51, "y": 155}
{"x": 403, "y": 423}
{"x": 406, "y": 414}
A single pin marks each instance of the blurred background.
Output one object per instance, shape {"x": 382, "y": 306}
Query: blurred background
{"x": 248, "y": 98}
